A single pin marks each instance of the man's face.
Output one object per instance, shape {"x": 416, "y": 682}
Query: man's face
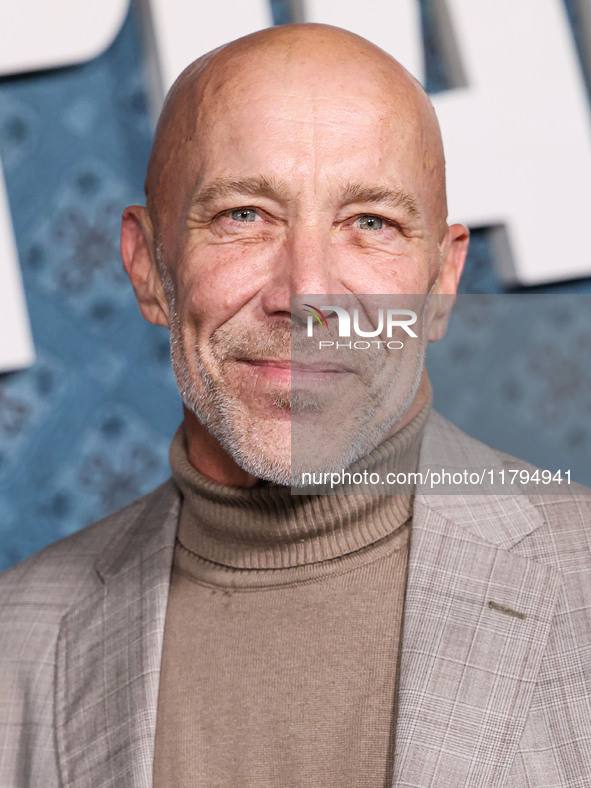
{"x": 307, "y": 183}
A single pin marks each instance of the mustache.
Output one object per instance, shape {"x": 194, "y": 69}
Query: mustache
{"x": 288, "y": 339}
{"x": 271, "y": 341}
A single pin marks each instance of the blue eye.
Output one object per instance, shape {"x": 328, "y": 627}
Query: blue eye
{"x": 369, "y": 222}
{"x": 243, "y": 214}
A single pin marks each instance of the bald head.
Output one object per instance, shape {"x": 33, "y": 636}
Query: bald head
{"x": 308, "y": 60}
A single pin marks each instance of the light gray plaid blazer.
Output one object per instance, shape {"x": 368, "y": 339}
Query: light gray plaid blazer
{"x": 487, "y": 698}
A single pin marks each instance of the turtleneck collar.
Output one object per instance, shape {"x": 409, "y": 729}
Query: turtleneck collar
{"x": 267, "y": 527}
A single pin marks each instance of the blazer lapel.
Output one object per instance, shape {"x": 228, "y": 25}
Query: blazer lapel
{"x": 476, "y": 622}
{"x": 109, "y": 657}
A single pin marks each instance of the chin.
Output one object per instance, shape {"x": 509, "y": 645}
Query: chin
{"x": 269, "y": 463}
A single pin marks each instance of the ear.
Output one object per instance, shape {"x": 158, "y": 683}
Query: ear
{"x": 137, "y": 244}
{"x": 453, "y": 254}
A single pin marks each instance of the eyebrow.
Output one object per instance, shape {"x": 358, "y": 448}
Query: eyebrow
{"x": 261, "y": 186}
{"x": 243, "y": 187}
{"x": 383, "y": 195}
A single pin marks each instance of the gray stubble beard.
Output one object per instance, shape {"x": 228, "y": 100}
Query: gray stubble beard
{"x": 230, "y": 422}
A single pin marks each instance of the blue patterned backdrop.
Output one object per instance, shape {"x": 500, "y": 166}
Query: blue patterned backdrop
{"x": 86, "y": 429}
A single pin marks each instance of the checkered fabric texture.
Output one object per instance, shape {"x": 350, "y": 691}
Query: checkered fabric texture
{"x": 496, "y": 654}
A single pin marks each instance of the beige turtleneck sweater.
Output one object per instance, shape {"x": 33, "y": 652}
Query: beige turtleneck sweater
{"x": 281, "y": 643}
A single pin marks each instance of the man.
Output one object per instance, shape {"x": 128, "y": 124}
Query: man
{"x": 222, "y": 631}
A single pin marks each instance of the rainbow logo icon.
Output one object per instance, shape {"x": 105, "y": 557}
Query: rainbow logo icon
{"x": 316, "y": 313}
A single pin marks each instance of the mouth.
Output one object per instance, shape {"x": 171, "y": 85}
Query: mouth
{"x": 288, "y": 371}
{"x": 297, "y": 366}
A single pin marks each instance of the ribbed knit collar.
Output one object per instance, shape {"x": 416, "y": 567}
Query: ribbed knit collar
{"x": 269, "y": 528}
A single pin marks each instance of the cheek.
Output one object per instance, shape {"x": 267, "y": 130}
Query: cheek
{"x": 419, "y": 272}
{"x": 215, "y": 282}
{"x": 417, "y": 281}
{"x": 384, "y": 275}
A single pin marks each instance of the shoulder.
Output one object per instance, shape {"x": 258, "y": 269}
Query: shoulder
{"x": 447, "y": 446}
{"x": 66, "y": 570}
{"x": 38, "y": 594}
{"x": 550, "y": 521}
{"x": 35, "y": 598}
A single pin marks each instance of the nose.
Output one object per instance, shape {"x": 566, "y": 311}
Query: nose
{"x": 305, "y": 265}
